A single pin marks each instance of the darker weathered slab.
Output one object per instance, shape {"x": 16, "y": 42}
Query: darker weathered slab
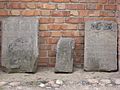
{"x": 64, "y": 56}
{"x": 100, "y": 46}
{"x": 19, "y": 44}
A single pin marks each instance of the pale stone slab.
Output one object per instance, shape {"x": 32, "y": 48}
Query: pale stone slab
{"x": 19, "y": 44}
{"x": 100, "y": 46}
{"x": 64, "y": 56}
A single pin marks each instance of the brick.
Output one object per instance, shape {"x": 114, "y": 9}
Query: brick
{"x": 45, "y": 12}
{"x": 31, "y": 5}
{"x": 107, "y": 13}
{"x": 56, "y": 26}
{"x": 92, "y": 6}
{"x": 43, "y": 53}
{"x": 59, "y": 20}
{"x": 15, "y": 12}
{"x": 28, "y": 12}
{"x": 118, "y": 1}
{"x": 44, "y": 47}
{"x": 94, "y": 13}
{"x": 43, "y": 61}
{"x": 46, "y": 20}
{"x": 83, "y": 12}
{"x": 91, "y": 1}
{"x": 49, "y": 6}
{"x": 74, "y": 13}
{"x": 75, "y": 6}
{"x": 96, "y": 1}
{"x": 37, "y": 12}
{"x": 43, "y": 27}
{"x": 111, "y": 1}
{"x": 60, "y": 13}
{"x": 79, "y": 40}
{"x": 16, "y": 5}
{"x": 42, "y": 40}
{"x": 2, "y": 0}
{"x": 60, "y": 1}
{"x": 67, "y": 33}
{"x": 45, "y": 34}
{"x": 118, "y": 7}
{"x": 78, "y": 46}
{"x": 81, "y": 26}
{"x": 2, "y": 5}
{"x": 110, "y": 7}
{"x": 56, "y": 34}
{"x": 4, "y": 13}
{"x": 52, "y": 40}
{"x": 26, "y": 0}
{"x": 71, "y": 27}
{"x": 61, "y": 6}
{"x": 14, "y": 0}
{"x": 74, "y": 20}
{"x": 13, "y": 5}
{"x": 41, "y": 0}
{"x": 103, "y": 1}
{"x": 76, "y": 34}
{"x": 51, "y": 53}
{"x": 110, "y": 19}
{"x": 52, "y": 61}
{"x": 75, "y": 1}
{"x": 39, "y": 5}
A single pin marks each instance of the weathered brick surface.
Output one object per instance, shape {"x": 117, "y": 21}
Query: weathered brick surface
{"x": 61, "y": 18}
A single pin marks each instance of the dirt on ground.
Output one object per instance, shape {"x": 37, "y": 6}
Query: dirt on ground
{"x": 46, "y": 79}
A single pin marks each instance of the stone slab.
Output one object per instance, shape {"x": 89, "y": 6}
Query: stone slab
{"x": 64, "y": 56}
{"x": 19, "y": 44}
{"x": 100, "y": 46}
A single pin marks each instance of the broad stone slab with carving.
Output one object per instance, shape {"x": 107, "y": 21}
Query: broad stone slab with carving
{"x": 19, "y": 44}
{"x": 64, "y": 57}
{"x": 100, "y": 46}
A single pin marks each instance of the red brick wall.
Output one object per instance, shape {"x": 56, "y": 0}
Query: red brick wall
{"x": 60, "y": 18}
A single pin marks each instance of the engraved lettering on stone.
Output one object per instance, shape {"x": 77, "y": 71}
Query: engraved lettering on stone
{"x": 101, "y": 26}
{"x": 107, "y": 26}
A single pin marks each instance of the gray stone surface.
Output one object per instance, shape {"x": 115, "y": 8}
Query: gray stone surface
{"x": 100, "y": 46}
{"x": 19, "y": 44}
{"x": 64, "y": 57}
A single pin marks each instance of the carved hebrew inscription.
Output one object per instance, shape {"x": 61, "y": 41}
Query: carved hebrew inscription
{"x": 101, "y": 26}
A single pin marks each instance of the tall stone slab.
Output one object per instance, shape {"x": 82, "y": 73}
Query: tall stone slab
{"x": 100, "y": 46}
{"x": 19, "y": 44}
{"x": 64, "y": 56}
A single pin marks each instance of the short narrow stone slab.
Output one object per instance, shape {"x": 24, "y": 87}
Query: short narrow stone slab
{"x": 100, "y": 46}
{"x": 64, "y": 57}
{"x": 19, "y": 44}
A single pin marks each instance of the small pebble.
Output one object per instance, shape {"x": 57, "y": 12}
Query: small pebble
{"x": 93, "y": 81}
{"x": 60, "y": 82}
{"x": 13, "y": 84}
{"x": 117, "y": 81}
{"x": 42, "y": 85}
{"x": 55, "y": 86}
{"x": 20, "y": 88}
{"x": 48, "y": 87}
{"x": 105, "y": 81}
{"x": 3, "y": 83}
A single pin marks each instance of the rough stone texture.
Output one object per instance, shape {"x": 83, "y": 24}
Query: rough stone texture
{"x": 100, "y": 46}
{"x": 19, "y": 44}
{"x": 64, "y": 57}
